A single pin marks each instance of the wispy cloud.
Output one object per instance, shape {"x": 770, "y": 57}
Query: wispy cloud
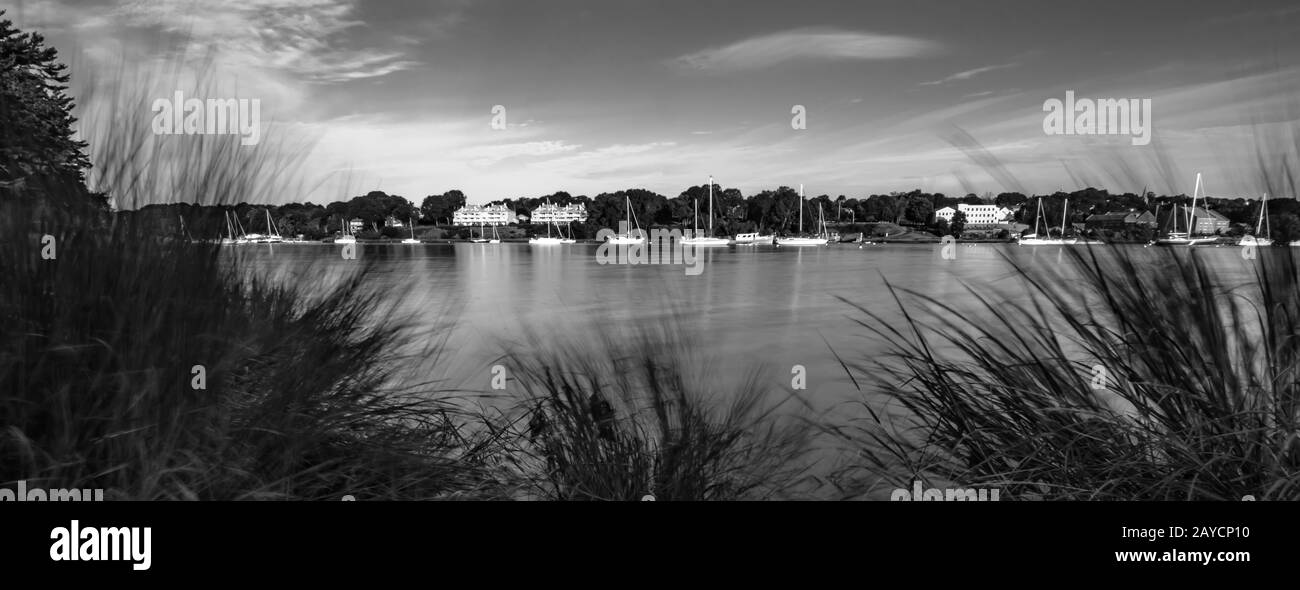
{"x": 806, "y": 44}
{"x": 314, "y": 40}
{"x": 968, "y": 74}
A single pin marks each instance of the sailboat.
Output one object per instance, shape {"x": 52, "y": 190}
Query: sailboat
{"x": 481, "y": 239}
{"x": 273, "y": 235}
{"x": 630, "y": 237}
{"x": 801, "y": 240}
{"x": 252, "y": 238}
{"x": 411, "y": 240}
{"x": 696, "y": 238}
{"x": 496, "y": 239}
{"x": 1261, "y": 226}
{"x": 1176, "y": 238}
{"x": 751, "y": 239}
{"x": 347, "y": 237}
{"x": 548, "y": 240}
{"x": 570, "y": 239}
{"x": 231, "y": 237}
{"x": 1034, "y": 240}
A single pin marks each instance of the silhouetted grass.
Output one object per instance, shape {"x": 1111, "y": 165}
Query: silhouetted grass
{"x": 103, "y": 344}
{"x": 619, "y": 419}
{"x": 1124, "y": 373}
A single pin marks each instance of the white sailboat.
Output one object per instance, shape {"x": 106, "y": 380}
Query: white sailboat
{"x": 1034, "y": 240}
{"x": 822, "y": 240}
{"x": 1176, "y": 238}
{"x": 566, "y": 240}
{"x": 495, "y": 238}
{"x": 630, "y": 237}
{"x": 273, "y": 235}
{"x": 751, "y": 239}
{"x": 548, "y": 240}
{"x": 708, "y": 239}
{"x": 243, "y": 237}
{"x": 411, "y": 240}
{"x": 250, "y": 238}
{"x": 1261, "y": 226}
{"x": 481, "y": 239}
{"x": 347, "y": 237}
{"x": 231, "y": 236}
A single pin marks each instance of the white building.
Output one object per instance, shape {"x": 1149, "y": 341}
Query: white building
{"x": 548, "y": 213}
{"x": 483, "y": 215}
{"x": 976, "y": 215}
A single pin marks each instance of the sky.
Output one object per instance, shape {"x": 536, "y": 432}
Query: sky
{"x": 600, "y": 96}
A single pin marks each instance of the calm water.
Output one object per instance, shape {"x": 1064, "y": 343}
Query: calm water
{"x": 760, "y": 305}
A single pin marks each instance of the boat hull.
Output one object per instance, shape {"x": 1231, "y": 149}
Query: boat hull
{"x": 802, "y": 241}
{"x": 1047, "y": 242}
{"x": 1187, "y": 241}
{"x": 751, "y": 239}
{"x": 705, "y": 242}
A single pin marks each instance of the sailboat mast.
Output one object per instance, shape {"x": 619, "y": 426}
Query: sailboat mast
{"x": 1268, "y": 229}
{"x": 1064, "y": 210}
{"x": 1262, "y": 204}
{"x": 800, "y": 208}
{"x": 710, "y": 206}
{"x": 1191, "y": 214}
{"x": 1039, "y": 214}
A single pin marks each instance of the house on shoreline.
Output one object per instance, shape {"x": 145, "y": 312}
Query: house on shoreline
{"x": 549, "y": 213}
{"x": 1120, "y": 220}
{"x": 977, "y": 216}
{"x": 471, "y": 215}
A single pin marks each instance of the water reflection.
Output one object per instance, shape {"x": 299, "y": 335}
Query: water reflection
{"x": 750, "y": 305}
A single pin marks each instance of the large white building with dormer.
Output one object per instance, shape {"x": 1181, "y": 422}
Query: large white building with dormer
{"x": 977, "y": 215}
{"x": 548, "y": 213}
{"x": 483, "y": 215}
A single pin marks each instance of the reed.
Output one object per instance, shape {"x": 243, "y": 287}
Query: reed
{"x": 1119, "y": 374}
{"x": 165, "y": 368}
{"x": 615, "y": 418}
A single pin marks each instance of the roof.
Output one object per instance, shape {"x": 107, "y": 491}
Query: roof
{"x": 1202, "y": 212}
{"x": 1121, "y": 216}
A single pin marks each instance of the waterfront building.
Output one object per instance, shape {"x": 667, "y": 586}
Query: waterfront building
{"x": 1121, "y": 220}
{"x": 549, "y": 213}
{"x": 472, "y": 215}
{"x": 976, "y": 215}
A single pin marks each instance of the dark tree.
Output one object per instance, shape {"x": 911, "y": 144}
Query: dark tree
{"x": 958, "y": 224}
{"x": 36, "y": 122}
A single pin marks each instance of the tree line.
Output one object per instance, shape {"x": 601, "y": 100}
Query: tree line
{"x": 769, "y": 211}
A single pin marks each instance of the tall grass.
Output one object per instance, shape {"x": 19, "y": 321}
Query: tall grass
{"x": 615, "y": 418}
{"x": 101, "y": 346}
{"x": 1121, "y": 374}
